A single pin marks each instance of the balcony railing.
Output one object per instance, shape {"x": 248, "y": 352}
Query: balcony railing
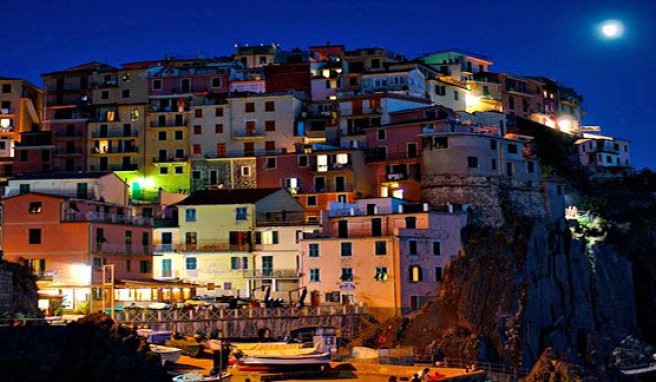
{"x": 272, "y": 273}
{"x": 399, "y": 176}
{"x": 246, "y": 134}
{"x": 380, "y": 156}
{"x": 116, "y": 167}
{"x": 61, "y": 151}
{"x": 174, "y": 123}
{"x": 120, "y": 249}
{"x": 204, "y": 246}
{"x": 170, "y": 159}
{"x": 100, "y": 217}
{"x": 113, "y": 150}
{"x": 68, "y": 134}
{"x": 331, "y": 167}
{"x": 66, "y": 87}
{"x": 348, "y": 187}
{"x": 115, "y": 134}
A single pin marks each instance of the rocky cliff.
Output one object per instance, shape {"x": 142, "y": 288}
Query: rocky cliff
{"x": 18, "y": 291}
{"x": 532, "y": 283}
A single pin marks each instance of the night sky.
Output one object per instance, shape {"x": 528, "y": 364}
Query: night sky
{"x": 559, "y": 39}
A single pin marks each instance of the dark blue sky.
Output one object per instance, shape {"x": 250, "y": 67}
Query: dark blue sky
{"x": 555, "y": 38}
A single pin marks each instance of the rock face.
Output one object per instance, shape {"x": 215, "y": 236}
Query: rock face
{"x": 18, "y": 291}
{"x": 92, "y": 349}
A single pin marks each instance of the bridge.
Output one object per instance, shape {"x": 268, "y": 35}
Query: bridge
{"x": 349, "y": 320}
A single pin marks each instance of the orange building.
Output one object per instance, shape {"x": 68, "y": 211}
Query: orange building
{"x": 68, "y": 241}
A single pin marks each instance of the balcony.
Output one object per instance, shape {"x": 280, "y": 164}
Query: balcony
{"x": 6, "y": 112}
{"x": 174, "y": 123}
{"x": 101, "y": 217}
{"x": 120, "y": 249}
{"x": 63, "y": 135}
{"x": 105, "y": 84}
{"x": 113, "y": 150}
{"x": 116, "y": 167}
{"x": 331, "y": 167}
{"x": 168, "y": 109}
{"x": 68, "y": 152}
{"x": 376, "y": 155}
{"x": 279, "y": 218}
{"x": 115, "y": 134}
{"x": 204, "y": 246}
{"x": 271, "y": 273}
{"x": 399, "y": 177}
{"x": 65, "y": 87}
{"x": 248, "y": 134}
{"x": 170, "y": 159}
{"x": 349, "y": 187}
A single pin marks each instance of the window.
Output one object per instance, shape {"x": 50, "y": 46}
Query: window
{"x": 456, "y": 96}
{"x": 530, "y": 167}
{"x": 347, "y": 274}
{"x": 24, "y": 156}
{"x": 314, "y": 275}
{"x": 166, "y": 268}
{"x": 440, "y": 90}
{"x": 382, "y": 134}
{"x": 302, "y": 161}
{"x": 376, "y": 227}
{"x": 511, "y": 103}
{"x": 104, "y": 94}
{"x": 126, "y": 77}
{"x": 509, "y": 169}
{"x": 125, "y": 93}
{"x": 218, "y": 128}
{"x": 216, "y": 82}
{"x": 198, "y": 129}
{"x": 245, "y": 171}
{"x": 314, "y": 250}
{"x": 270, "y": 146}
{"x": 196, "y": 149}
{"x": 381, "y": 247}
{"x": 312, "y": 200}
{"x": 249, "y": 107}
{"x": 34, "y": 236}
{"x": 381, "y": 274}
{"x": 438, "y": 274}
{"x": 235, "y": 263}
{"x": 347, "y": 249}
{"x": 241, "y": 213}
{"x": 161, "y": 135}
{"x": 441, "y": 142}
{"x": 220, "y": 150}
{"x": 437, "y": 248}
{"x": 6, "y": 88}
{"x": 163, "y": 170}
{"x": 157, "y": 84}
{"x": 196, "y": 175}
{"x": 493, "y": 144}
{"x": 144, "y": 266}
{"x": 472, "y": 162}
{"x": 82, "y": 190}
{"x": 128, "y": 265}
{"x": 191, "y": 263}
{"x": 412, "y": 247}
{"x": 190, "y": 215}
{"x": 179, "y": 135}
{"x": 269, "y": 106}
{"x": 512, "y": 148}
{"x": 375, "y": 63}
{"x": 494, "y": 164}
{"x": 269, "y": 125}
{"x": 411, "y": 222}
{"x": 415, "y": 274}
{"x": 35, "y": 208}
{"x": 333, "y": 296}
{"x": 270, "y": 162}
{"x": 218, "y": 112}
{"x": 198, "y": 113}
{"x": 179, "y": 170}
{"x": 23, "y": 189}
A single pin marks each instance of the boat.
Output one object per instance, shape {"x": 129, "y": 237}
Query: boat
{"x": 167, "y": 354}
{"x": 639, "y": 369}
{"x": 279, "y": 354}
{"x": 195, "y": 377}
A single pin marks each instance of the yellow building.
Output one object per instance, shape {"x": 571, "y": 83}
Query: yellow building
{"x": 214, "y": 241}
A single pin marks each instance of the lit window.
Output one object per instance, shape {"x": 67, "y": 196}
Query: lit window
{"x": 342, "y": 158}
{"x": 381, "y": 274}
{"x": 322, "y": 163}
{"x": 35, "y": 207}
{"x": 415, "y": 275}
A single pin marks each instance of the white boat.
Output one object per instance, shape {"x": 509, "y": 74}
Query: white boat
{"x": 195, "y": 377}
{"x": 639, "y": 369}
{"x": 167, "y": 354}
{"x": 285, "y": 360}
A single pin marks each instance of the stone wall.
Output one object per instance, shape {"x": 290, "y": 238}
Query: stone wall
{"x": 6, "y": 291}
{"x": 487, "y": 196}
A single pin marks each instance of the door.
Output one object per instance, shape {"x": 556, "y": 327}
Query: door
{"x": 214, "y": 177}
{"x": 104, "y": 164}
{"x": 340, "y": 183}
{"x": 319, "y": 184}
{"x": 267, "y": 265}
{"x": 342, "y": 228}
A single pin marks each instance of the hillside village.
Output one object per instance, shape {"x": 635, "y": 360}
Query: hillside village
{"x": 343, "y": 176}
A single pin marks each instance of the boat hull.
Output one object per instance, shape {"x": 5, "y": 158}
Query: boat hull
{"x": 167, "y": 354}
{"x": 310, "y": 359}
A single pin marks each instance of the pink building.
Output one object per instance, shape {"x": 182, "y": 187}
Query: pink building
{"x": 383, "y": 253}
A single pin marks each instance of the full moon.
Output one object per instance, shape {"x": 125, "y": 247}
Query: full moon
{"x": 612, "y": 29}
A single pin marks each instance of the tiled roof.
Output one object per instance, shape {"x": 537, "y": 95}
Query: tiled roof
{"x": 64, "y": 175}
{"x": 244, "y": 196}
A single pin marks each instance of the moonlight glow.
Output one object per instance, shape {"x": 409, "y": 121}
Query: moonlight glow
{"x": 612, "y": 29}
